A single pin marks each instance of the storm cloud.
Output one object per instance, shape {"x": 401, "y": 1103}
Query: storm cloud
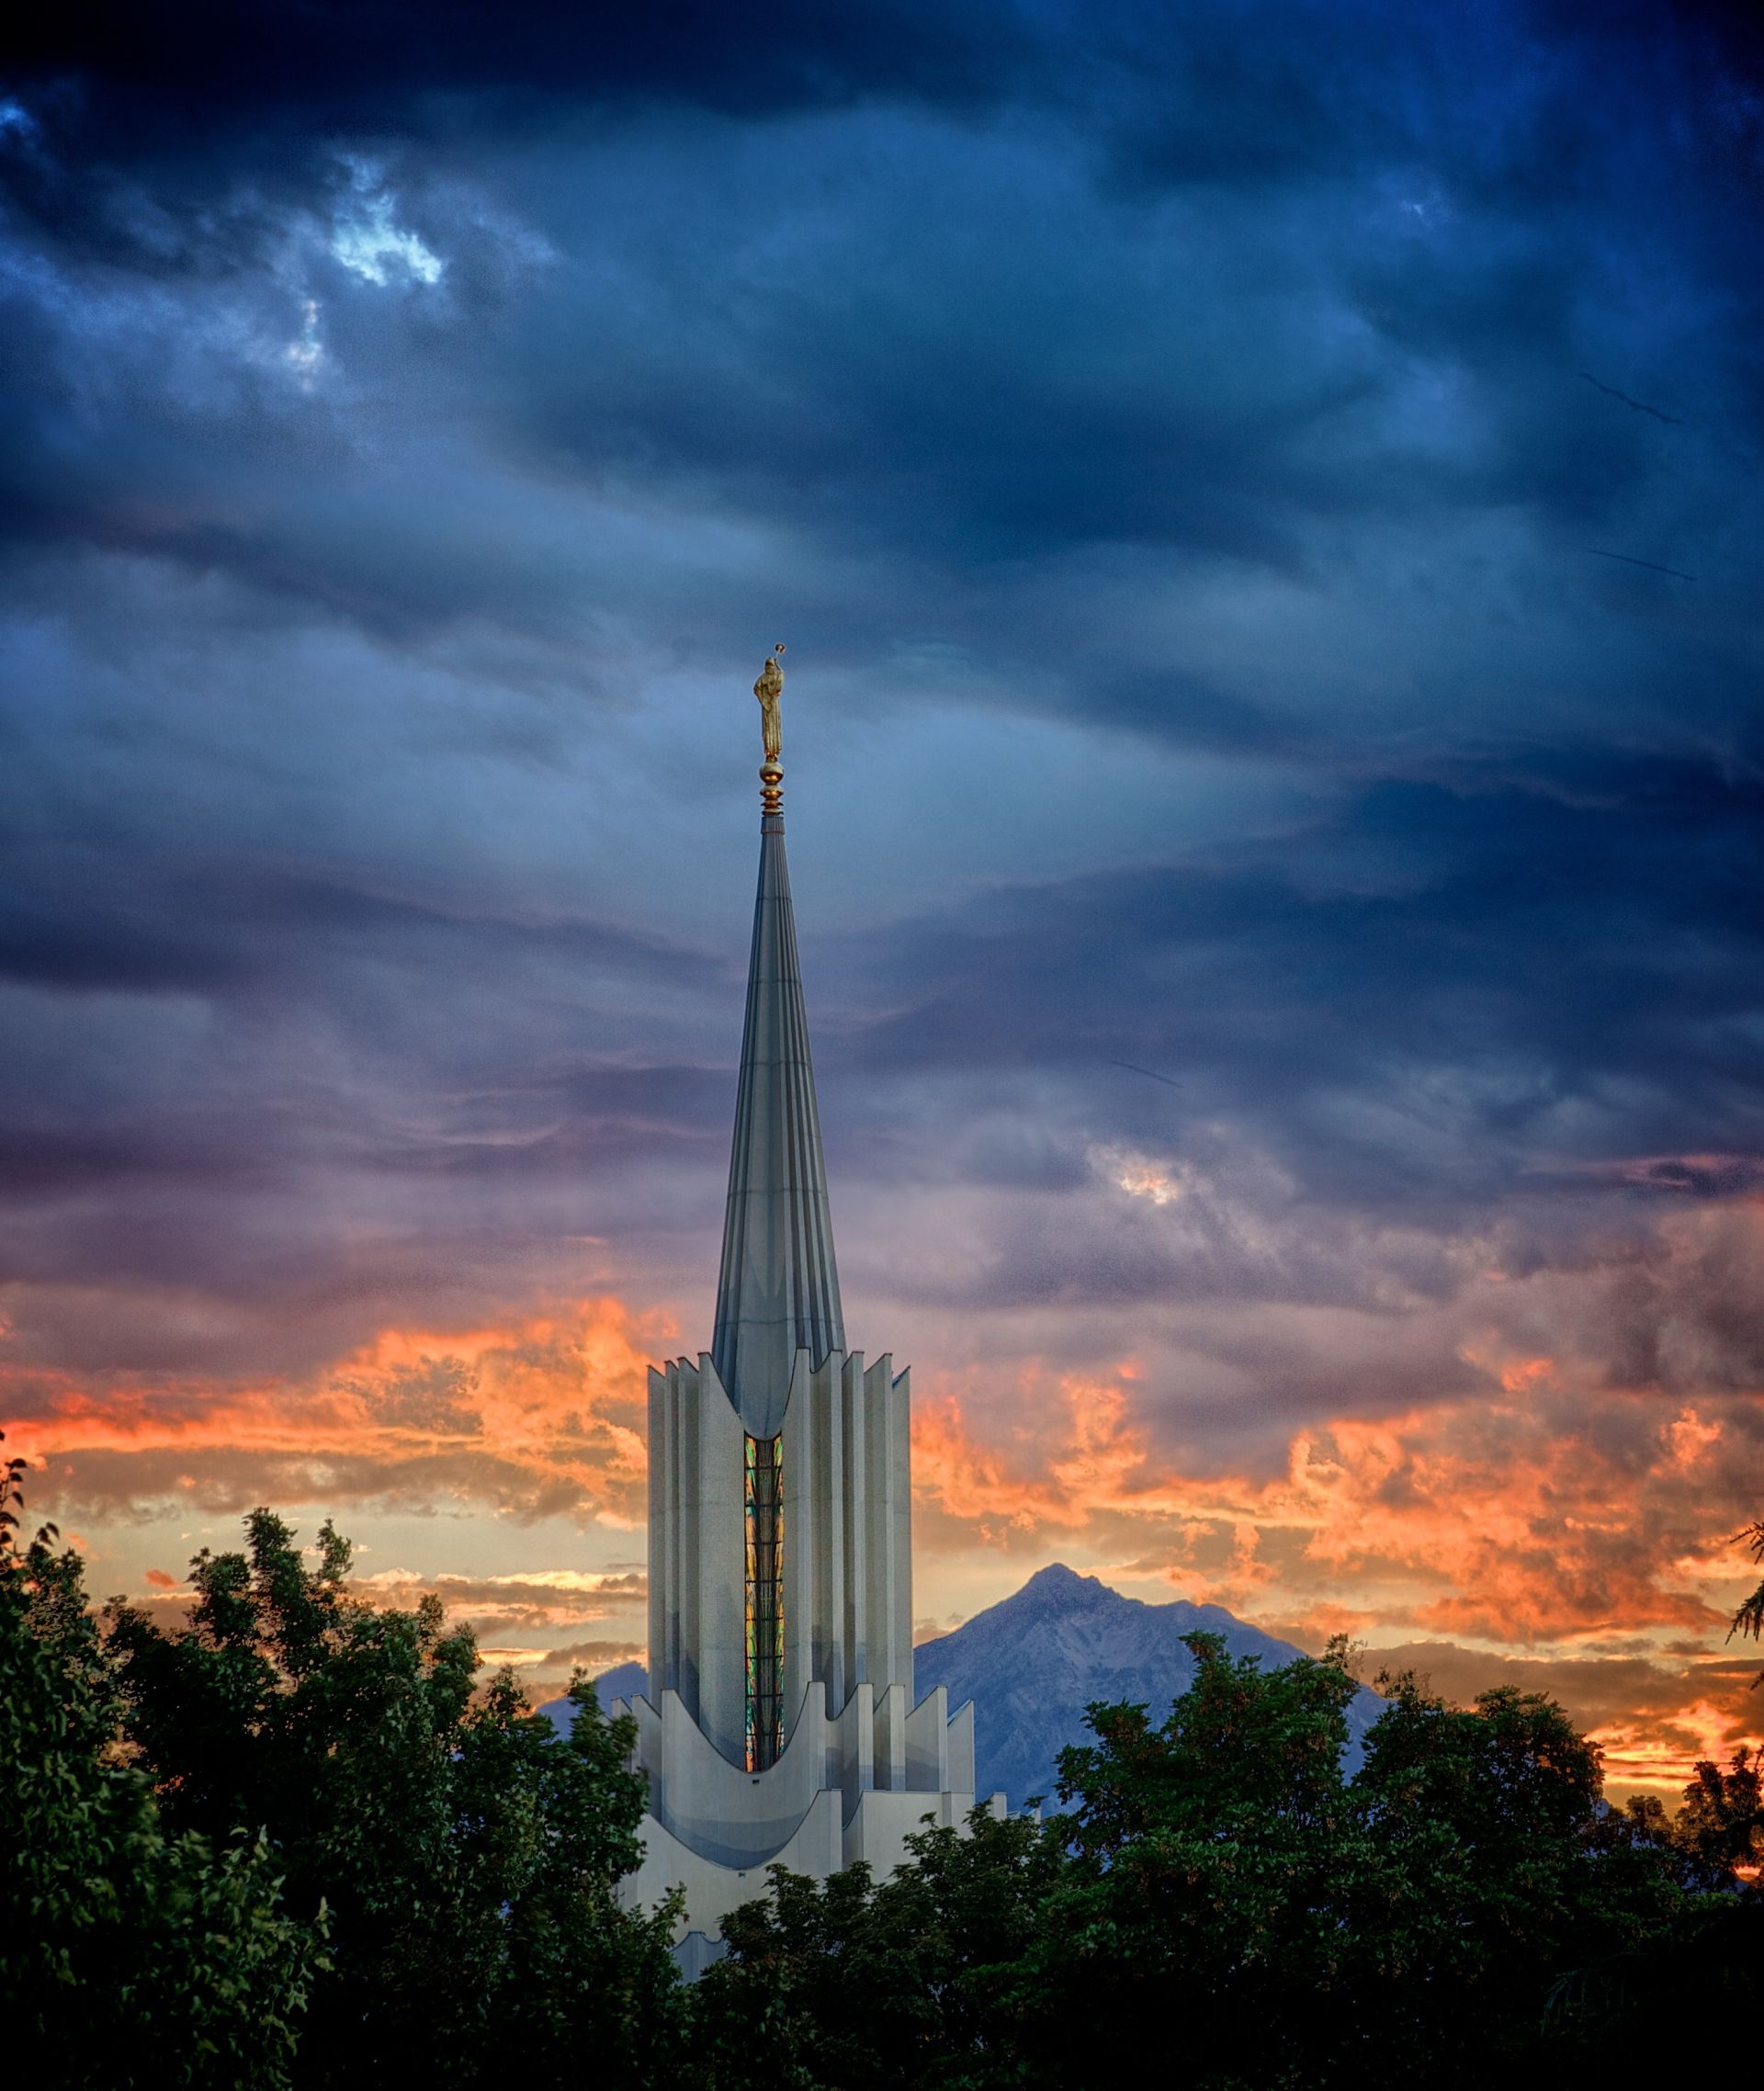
{"x": 1263, "y": 503}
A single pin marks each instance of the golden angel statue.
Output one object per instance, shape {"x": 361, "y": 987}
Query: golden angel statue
{"x": 768, "y": 690}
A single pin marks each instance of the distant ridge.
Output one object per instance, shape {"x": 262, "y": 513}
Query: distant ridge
{"x": 1033, "y": 1661}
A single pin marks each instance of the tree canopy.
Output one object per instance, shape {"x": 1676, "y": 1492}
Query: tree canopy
{"x": 131, "y": 1953}
{"x": 1221, "y": 1900}
{"x": 465, "y": 1854}
{"x": 292, "y": 1843}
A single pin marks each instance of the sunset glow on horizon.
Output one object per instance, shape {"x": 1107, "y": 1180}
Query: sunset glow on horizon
{"x": 503, "y": 1469}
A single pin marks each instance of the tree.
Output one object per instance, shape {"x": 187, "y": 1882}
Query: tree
{"x": 884, "y": 1986}
{"x": 1413, "y": 1923}
{"x": 1218, "y": 1895}
{"x": 128, "y": 1956}
{"x": 1215, "y": 1860}
{"x": 466, "y": 1854}
{"x": 1168, "y": 1916}
{"x": 1702, "y": 1974}
{"x": 1749, "y": 1617}
{"x": 1499, "y": 1872}
{"x": 1721, "y": 1824}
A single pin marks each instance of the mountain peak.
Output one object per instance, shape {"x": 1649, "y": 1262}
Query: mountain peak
{"x": 1060, "y": 1589}
{"x": 1035, "y": 1660}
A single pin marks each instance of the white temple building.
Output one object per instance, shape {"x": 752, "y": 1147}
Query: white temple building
{"x": 779, "y": 1723}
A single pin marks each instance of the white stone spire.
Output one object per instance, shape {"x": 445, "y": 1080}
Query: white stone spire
{"x": 778, "y": 1292}
{"x": 779, "y": 1723}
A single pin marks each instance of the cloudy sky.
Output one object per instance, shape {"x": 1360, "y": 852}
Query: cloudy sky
{"x": 1263, "y": 503}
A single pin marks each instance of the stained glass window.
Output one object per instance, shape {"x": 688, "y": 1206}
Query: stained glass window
{"x": 764, "y": 1503}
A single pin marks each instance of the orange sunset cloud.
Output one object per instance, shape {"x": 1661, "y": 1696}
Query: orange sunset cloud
{"x": 1546, "y": 1523}
{"x": 543, "y": 1416}
{"x": 1565, "y": 1528}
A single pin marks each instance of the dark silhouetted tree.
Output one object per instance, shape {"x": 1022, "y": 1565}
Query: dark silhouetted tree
{"x": 466, "y": 1854}
{"x": 1749, "y": 1617}
{"x": 131, "y": 1954}
{"x": 880, "y": 1987}
{"x": 1721, "y": 1824}
{"x": 1223, "y": 1904}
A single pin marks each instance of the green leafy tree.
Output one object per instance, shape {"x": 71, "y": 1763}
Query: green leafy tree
{"x": 1499, "y": 1872}
{"x": 129, "y": 1955}
{"x": 1222, "y": 1902}
{"x": 1217, "y": 1859}
{"x": 884, "y": 1986}
{"x": 466, "y": 1853}
{"x": 1702, "y": 1974}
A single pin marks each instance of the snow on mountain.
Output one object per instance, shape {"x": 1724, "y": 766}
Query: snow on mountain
{"x": 1033, "y": 1661}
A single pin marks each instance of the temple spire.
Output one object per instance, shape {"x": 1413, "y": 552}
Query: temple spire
{"x": 779, "y": 1290}
{"x": 779, "y": 1723}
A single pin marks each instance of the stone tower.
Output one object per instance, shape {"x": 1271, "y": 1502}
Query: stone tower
{"x": 779, "y": 1721}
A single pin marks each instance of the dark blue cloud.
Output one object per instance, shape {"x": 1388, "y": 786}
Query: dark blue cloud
{"x": 1571, "y": 977}
{"x": 1182, "y": 449}
{"x": 157, "y": 81}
